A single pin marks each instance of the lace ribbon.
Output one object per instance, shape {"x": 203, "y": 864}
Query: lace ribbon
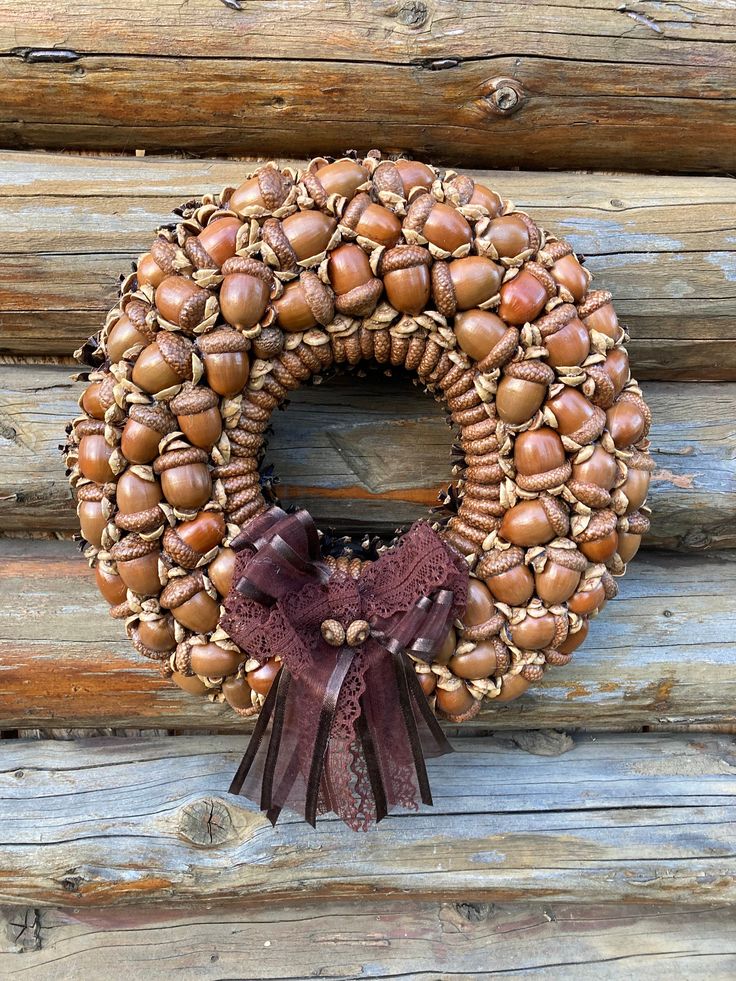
{"x": 343, "y": 729}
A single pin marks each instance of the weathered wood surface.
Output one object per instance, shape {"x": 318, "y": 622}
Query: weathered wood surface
{"x": 664, "y": 246}
{"x": 371, "y": 454}
{"x": 388, "y": 939}
{"x": 642, "y": 86}
{"x": 645, "y": 818}
{"x": 662, "y": 653}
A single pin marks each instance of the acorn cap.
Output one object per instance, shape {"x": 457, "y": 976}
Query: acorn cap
{"x": 268, "y": 343}
{"x": 531, "y": 371}
{"x": 193, "y": 399}
{"x": 274, "y": 236}
{"x": 352, "y": 214}
{"x": 464, "y": 187}
{"x": 502, "y": 352}
{"x": 593, "y": 301}
{"x": 156, "y": 417}
{"x": 132, "y": 547}
{"x": 314, "y": 188}
{"x": 180, "y": 590}
{"x": 361, "y": 300}
{"x": 90, "y": 492}
{"x": 532, "y": 231}
{"x": 542, "y": 277}
{"x": 570, "y": 558}
{"x": 248, "y": 267}
{"x": 179, "y": 458}
{"x": 164, "y": 253}
{"x": 183, "y": 554}
{"x": 105, "y": 392}
{"x": 554, "y": 251}
{"x": 198, "y": 254}
{"x": 176, "y": 352}
{"x": 386, "y": 177}
{"x": 610, "y": 586}
{"x": 641, "y": 461}
{"x": 556, "y": 514}
{"x": 634, "y": 524}
{"x": 602, "y": 523}
{"x": 224, "y": 341}
{"x": 320, "y": 298}
{"x": 499, "y": 560}
{"x": 274, "y": 186}
{"x": 235, "y": 468}
{"x": 418, "y": 212}
{"x": 89, "y": 427}
{"x": 121, "y": 611}
{"x": 443, "y": 289}
{"x": 140, "y": 522}
{"x": 404, "y": 257}
{"x": 556, "y": 319}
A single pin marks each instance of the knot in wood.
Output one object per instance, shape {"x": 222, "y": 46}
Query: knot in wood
{"x": 205, "y": 822}
{"x": 505, "y": 96}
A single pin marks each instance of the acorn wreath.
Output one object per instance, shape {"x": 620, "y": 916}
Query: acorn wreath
{"x": 347, "y": 652}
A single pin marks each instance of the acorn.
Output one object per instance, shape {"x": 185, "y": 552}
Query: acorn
{"x": 464, "y": 283}
{"x": 191, "y": 606}
{"x": 156, "y": 636}
{"x": 635, "y": 488}
{"x": 137, "y": 563}
{"x": 163, "y": 364}
{"x": 303, "y": 235}
{"x": 565, "y": 336}
{"x": 456, "y": 704}
{"x": 466, "y": 191}
{"x": 220, "y": 571}
{"x": 630, "y": 531}
{"x": 262, "y": 677}
{"x": 559, "y": 575}
{"x": 197, "y": 411}
{"x": 180, "y": 301}
{"x": 599, "y": 539}
{"x": 479, "y": 606}
{"x": 137, "y": 500}
{"x": 534, "y": 522}
{"x": 574, "y": 640}
{"x": 405, "y": 275}
{"x": 93, "y": 512}
{"x": 356, "y": 289}
{"x": 522, "y": 390}
{"x": 609, "y": 377}
{"x": 109, "y": 583}
{"x": 266, "y": 190}
{"x": 600, "y": 468}
{"x": 187, "y": 543}
{"x": 214, "y": 244}
{"x": 510, "y": 235}
{"x": 213, "y": 661}
{"x": 447, "y": 649}
{"x": 400, "y": 177}
{"x": 372, "y": 221}
{"x": 185, "y": 479}
{"x": 144, "y": 429}
{"x": 245, "y": 291}
{"x": 427, "y": 682}
{"x": 343, "y": 177}
{"x": 628, "y": 420}
{"x": 507, "y": 577}
{"x": 129, "y": 330}
{"x": 156, "y": 265}
{"x": 305, "y": 303}
{"x": 540, "y": 460}
{"x": 478, "y": 331}
{"x": 512, "y": 685}
{"x": 98, "y": 397}
{"x": 94, "y": 452}
{"x": 226, "y": 363}
{"x": 576, "y": 417}
{"x": 565, "y": 268}
{"x": 597, "y": 313}
{"x": 476, "y": 664}
{"x": 587, "y": 600}
{"x": 440, "y": 224}
{"x": 268, "y": 343}
{"x": 523, "y": 298}
{"x": 237, "y": 693}
{"x": 533, "y": 633}
{"x": 189, "y": 683}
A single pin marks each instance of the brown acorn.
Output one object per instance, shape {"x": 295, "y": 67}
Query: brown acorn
{"x": 476, "y": 664}
{"x": 560, "y": 575}
{"x": 630, "y": 531}
{"x": 467, "y": 191}
{"x": 137, "y": 564}
{"x": 226, "y": 363}
{"x": 565, "y": 268}
{"x": 479, "y": 606}
{"x": 574, "y": 640}
{"x": 512, "y": 686}
{"x": 137, "y": 500}
{"x": 190, "y": 604}
{"x": 190, "y": 541}
{"x": 213, "y": 661}
{"x": 478, "y": 331}
{"x": 303, "y": 235}
{"x": 441, "y": 224}
{"x": 576, "y": 417}
{"x": 447, "y": 649}
{"x": 94, "y": 452}
{"x": 523, "y": 298}
{"x": 266, "y": 190}
{"x": 305, "y": 303}
{"x": 510, "y": 235}
{"x": 268, "y": 343}
{"x": 565, "y": 336}
{"x": 456, "y": 704}
{"x": 372, "y": 221}
{"x": 245, "y": 291}
{"x": 599, "y": 539}
{"x": 405, "y": 275}
{"x": 343, "y": 177}
{"x": 356, "y": 289}
{"x": 98, "y": 397}
{"x": 163, "y": 364}
{"x": 522, "y": 390}
{"x": 129, "y": 330}
{"x": 189, "y": 683}
{"x": 197, "y": 411}
{"x": 507, "y": 577}
{"x": 635, "y": 488}
{"x": 587, "y": 601}
{"x": 157, "y": 636}
{"x": 400, "y": 177}
{"x": 93, "y": 511}
{"x": 628, "y": 420}
{"x": 464, "y": 283}
{"x": 600, "y": 469}
{"x": 220, "y": 571}
{"x": 262, "y": 677}
{"x": 180, "y": 301}
{"x": 533, "y": 633}
{"x": 185, "y": 479}
{"x": 109, "y": 583}
{"x": 144, "y": 429}
{"x": 237, "y": 693}
{"x": 214, "y": 244}
{"x": 597, "y": 313}
{"x": 427, "y": 682}
{"x": 534, "y": 522}
{"x": 540, "y": 461}
{"x": 156, "y": 265}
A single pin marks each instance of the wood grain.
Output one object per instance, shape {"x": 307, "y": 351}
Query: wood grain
{"x": 371, "y": 454}
{"x": 645, "y": 818}
{"x": 390, "y": 938}
{"x": 593, "y": 86}
{"x": 661, "y": 654}
{"x": 664, "y": 245}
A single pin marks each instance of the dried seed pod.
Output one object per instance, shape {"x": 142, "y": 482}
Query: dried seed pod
{"x": 163, "y": 364}
{"x": 372, "y": 221}
{"x": 145, "y": 428}
{"x": 305, "y": 303}
{"x": 190, "y": 605}
{"x": 190, "y": 541}
{"x": 510, "y": 235}
{"x": 226, "y": 362}
{"x": 245, "y": 291}
{"x": 185, "y": 479}
{"x": 266, "y": 190}
{"x": 440, "y": 224}
{"x": 535, "y": 522}
{"x": 560, "y": 575}
{"x": 565, "y": 336}
{"x": 130, "y": 330}
{"x": 539, "y": 458}
{"x": 214, "y": 244}
{"x": 565, "y": 268}
{"x": 181, "y": 301}
{"x": 507, "y": 577}
{"x": 523, "y": 297}
{"x": 597, "y": 313}
{"x": 137, "y": 564}
{"x": 356, "y": 289}
{"x": 405, "y": 275}
{"x": 464, "y": 283}
{"x": 197, "y": 411}
{"x": 522, "y": 390}
{"x": 213, "y": 661}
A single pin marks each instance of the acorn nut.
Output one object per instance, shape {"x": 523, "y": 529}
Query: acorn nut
{"x": 565, "y": 269}
{"x": 137, "y": 564}
{"x": 478, "y": 332}
{"x": 523, "y": 298}
{"x": 185, "y": 479}
{"x": 163, "y": 364}
{"x": 356, "y": 289}
{"x": 372, "y": 221}
{"x": 507, "y": 577}
{"x": 245, "y": 291}
{"x": 305, "y": 303}
{"x": 214, "y": 244}
{"x": 464, "y": 283}
{"x": 180, "y": 301}
{"x": 405, "y": 275}
{"x": 440, "y": 224}
{"x": 266, "y": 190}
{"x": 190, "y": 604}
{"x": 534, "y": 522}
{"x": 144, "y": 429}
{"x": 213, "y": 661}
{"x": 197, "y": 411}
{"x": 189, "y": 541}
{"x": 510, "y": 235}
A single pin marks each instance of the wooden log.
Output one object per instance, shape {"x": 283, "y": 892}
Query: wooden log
{"x": 399, "y": 939}
{"x": 664, "y": 245}
{"x": 645, "y": 818}
{"x": 373, "y": 454}
{"x": 661, "y": 654}
{"x": 608, "y": 87}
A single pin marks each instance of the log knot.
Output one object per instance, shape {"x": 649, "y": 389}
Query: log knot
{"x": 205, "y": 822}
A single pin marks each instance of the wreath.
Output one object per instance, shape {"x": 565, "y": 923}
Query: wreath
{"x": 349, "y": 651}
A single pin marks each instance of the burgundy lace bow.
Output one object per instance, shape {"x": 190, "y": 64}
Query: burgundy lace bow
{"x": 349, "y": 727}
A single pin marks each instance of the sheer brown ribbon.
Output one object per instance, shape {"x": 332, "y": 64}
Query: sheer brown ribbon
{"x": 345, "y": 729}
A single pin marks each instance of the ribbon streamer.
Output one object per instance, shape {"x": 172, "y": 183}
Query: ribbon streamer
{"x": 346, "y": 728}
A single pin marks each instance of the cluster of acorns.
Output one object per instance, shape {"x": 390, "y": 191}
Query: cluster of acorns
{"x": 258, "y": 289}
